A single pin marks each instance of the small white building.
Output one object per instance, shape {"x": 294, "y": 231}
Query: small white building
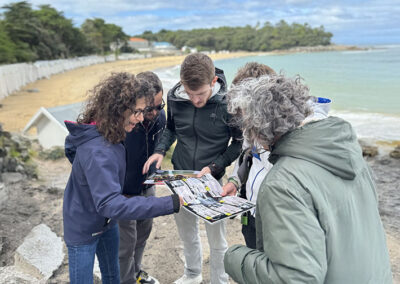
{"x": 49, "y": 124}
{"x": 189, "y": 49}
{"x": 140, "y": 44}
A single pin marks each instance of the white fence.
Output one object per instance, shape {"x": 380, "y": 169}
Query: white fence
{"x": 15, "y": 76}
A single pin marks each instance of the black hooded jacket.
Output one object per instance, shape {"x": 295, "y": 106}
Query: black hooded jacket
{"x": 202, "y": 134}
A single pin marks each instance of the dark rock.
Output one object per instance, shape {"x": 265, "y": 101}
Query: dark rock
{"x": 31, "y": 170}
{"x": 7, "y": 142}
{"x": 369, "y": 151}
{"x": 6, "y": 134}
{"x": 395, "y": 153}
{"x": 55, "y": 191}
{"x": 10, "y": 164}
{"x": 24, "y": 155}
{"x": 2, "y": 239}
{"x": 3, "y": 152}
{"x": 33, "y": 90}
{"x": 21, "y": 143}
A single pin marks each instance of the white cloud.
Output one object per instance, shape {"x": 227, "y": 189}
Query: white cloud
{"x": 342, "y": 17}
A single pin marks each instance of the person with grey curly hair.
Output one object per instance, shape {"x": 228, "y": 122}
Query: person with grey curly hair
{"x": 269, "y": 107}
{"x": 317, "y": 218}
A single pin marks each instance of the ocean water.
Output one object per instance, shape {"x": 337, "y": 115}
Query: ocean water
{"x": 364, "y": 85}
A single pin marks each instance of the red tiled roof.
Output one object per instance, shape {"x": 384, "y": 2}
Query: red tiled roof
{"x": 137, "y": 39}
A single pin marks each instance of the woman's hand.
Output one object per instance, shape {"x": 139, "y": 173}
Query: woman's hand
{"x": 229, "y": 189}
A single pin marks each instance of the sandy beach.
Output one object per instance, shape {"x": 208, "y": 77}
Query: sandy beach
{"x": 71, "y": 87}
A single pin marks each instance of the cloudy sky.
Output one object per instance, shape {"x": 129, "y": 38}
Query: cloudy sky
{"x": 351, "y": 21}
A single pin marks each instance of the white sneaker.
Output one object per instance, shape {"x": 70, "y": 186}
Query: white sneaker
{"x": 188, "y": 280}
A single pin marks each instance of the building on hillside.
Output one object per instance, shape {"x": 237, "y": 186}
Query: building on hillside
{"x": 49, "y": 124}
{"x": 140, "y": 44}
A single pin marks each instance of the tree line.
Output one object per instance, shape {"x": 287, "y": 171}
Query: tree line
{"x": 28, "y": 35}
{"x": 259, "y": 38}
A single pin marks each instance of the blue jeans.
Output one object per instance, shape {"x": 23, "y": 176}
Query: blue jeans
{"x": 81, "y": 259}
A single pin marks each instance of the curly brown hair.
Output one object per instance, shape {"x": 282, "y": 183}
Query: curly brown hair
{"x": 110, "y": 99}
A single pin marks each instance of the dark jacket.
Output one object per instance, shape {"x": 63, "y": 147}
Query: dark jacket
{"x": 202, "y": 134}
{"x": 139, "y": 145}
{"x": 93, "y": 192}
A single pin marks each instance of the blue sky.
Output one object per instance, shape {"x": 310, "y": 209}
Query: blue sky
{"x": 351, "y": 21}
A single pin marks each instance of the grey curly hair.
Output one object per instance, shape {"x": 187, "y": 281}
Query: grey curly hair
{"x": 267, "y": 107}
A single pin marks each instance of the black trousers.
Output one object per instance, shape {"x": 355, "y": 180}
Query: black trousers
{"x": 249, "y": 231}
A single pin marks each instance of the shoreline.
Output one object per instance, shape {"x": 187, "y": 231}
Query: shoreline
{"x": 17, "y": 109}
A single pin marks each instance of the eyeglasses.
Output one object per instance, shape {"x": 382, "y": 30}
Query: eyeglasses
{"x": 157, "y": 108}
{"x": 137, "y": 112}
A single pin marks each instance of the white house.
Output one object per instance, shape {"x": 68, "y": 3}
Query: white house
{"x": 140, "y": 44}
{"x": 49, "y": 123}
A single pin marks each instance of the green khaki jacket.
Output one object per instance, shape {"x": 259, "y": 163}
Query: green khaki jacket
{"x": 317, "y": 217}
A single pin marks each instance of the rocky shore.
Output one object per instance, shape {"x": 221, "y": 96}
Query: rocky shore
{"x": 31, "y": 200}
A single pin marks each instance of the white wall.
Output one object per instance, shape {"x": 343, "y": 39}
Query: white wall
{"x": 15, "y": 76}
{"x": 50, "y": 133}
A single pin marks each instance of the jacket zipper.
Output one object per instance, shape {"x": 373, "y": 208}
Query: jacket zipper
{"x": 195, "y": 135}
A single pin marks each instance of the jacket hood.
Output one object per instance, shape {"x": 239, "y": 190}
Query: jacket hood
{"x": 178, "y": 94}
{"x": 330, "y": 143}
{"x": 78, "y": 134}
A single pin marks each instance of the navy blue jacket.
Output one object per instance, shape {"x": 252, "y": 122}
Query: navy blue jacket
{"x": 140, "y": 144}
{"x": 93, "y": 193}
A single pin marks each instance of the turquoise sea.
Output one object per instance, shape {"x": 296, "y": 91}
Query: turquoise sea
{"x": 364, "y": 85}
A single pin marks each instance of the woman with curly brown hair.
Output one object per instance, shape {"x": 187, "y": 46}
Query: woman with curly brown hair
{"x": 92, "y": 199}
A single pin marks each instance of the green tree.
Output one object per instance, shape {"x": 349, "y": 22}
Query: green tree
{"x": 7, "y": 47}
{"x": 23, "y": 29}
{"x": 265, "y": 38}
{"x": 100, "y": 34}
{"x": 67, "y": 39}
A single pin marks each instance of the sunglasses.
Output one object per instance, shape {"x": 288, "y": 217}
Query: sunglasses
{"x": 157, "y": 108}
